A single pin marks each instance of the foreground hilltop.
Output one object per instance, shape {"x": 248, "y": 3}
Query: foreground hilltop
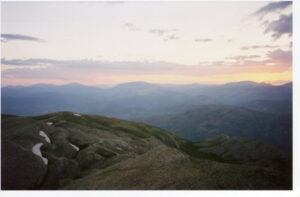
{"x": 66, "y": 150}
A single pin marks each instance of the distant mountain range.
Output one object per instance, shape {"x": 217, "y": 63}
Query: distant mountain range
{"x": 140, "y": 99}
{"x": 194, "y": 111}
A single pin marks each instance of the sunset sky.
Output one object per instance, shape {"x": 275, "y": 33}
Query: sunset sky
{"x": 159, "y": 42}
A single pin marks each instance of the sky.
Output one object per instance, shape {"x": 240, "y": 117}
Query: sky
{"x": 108, "y": 43}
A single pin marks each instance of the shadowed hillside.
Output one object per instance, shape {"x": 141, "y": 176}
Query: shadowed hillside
{"x": 211, "y": 120}
{"x": 66, "y": 150}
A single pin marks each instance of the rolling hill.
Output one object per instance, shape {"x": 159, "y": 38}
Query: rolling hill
{"x": 66, "y": 150}
{"x": 211, "y": 120}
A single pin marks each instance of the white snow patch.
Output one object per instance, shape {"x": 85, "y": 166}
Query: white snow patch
{"x": 42, "y": 133}
{"x": 50, "y": 123}
{"x": 75, "y": 147}
{"x": 36, "y": 149}
{"x": 76, "y": 114}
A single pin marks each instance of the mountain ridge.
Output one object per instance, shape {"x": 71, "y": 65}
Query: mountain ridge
{"x": 145, "y": 83}
{"x": 134, "y": 100}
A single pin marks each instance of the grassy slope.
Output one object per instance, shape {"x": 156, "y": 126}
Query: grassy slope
{"x": 211, "y": 120}
{"x": 116, "y": 154}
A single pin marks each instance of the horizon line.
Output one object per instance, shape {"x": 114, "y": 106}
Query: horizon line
{"x": 116, "y": 84}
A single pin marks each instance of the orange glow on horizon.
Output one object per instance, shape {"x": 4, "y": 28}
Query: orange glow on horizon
{"x": 98, "y": 79}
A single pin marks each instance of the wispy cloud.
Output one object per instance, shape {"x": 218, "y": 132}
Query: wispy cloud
{"x": 203, "y": 40}
{"x": 9, "y": 37}
{"x": 113, "y": 2}
{"x": 243, "y": 57}
{"x": 131, "y": 27}
{"x": 28, "y": 62}
{"x": 91, "y": 64}
{"x": 277, "y": 61}
{"x": 159, "y": 32}
{"x": 259, "y": 47}
{"x": 167, "y": 34}
{"x": 281, "y": 56}
{"x": 171, "y": 37}
{"x": 273, "y": 7}
{"x": 278, "y": 27}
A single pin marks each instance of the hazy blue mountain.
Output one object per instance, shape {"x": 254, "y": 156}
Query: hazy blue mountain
{"x": 139, "y": 99}
{"x": 123, "y": 101}
{"x": 240, "y": 92}
{"x": 274, "y": 106}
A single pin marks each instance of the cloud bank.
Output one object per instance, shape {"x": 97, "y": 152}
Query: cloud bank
{"x": 284, "y": 25}
{"x": 86, "y": 69}
{"x": 259, "y": 47}
{"x": 281, "y": 56}
{"x": 278, "y": 27}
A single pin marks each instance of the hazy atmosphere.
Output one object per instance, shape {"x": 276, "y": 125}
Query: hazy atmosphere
{"x": 147, "y": 96}
{"x": 160, "y": 42}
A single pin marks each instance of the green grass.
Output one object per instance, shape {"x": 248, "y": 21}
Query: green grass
{"x": 5, "y": 116}
{"x": 105, "y": 153}
{"x": 165, "y": 138}
{"x": 173, "y": 162}
{"x": 134, "y": 132}
{"x": 192, "y": 150}
{"x": 122, "y": 128}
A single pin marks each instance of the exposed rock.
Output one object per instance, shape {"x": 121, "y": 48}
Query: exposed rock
{"x": 21, "y": 169}
{"x": 60, "y": 168}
